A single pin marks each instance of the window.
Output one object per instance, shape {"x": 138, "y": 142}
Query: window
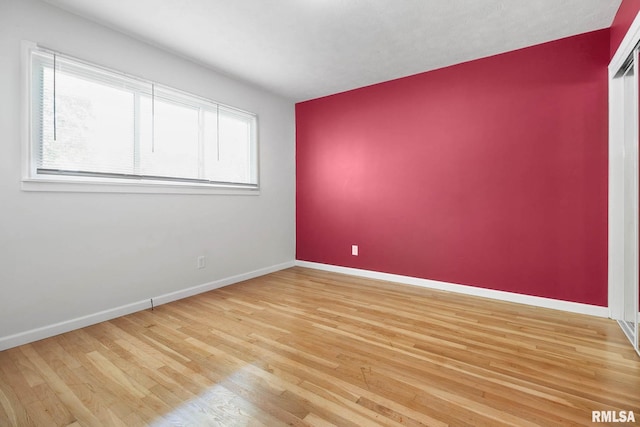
{"x": 93, "y": 125}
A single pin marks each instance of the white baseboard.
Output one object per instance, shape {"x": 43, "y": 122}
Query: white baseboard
{"x": 91, "y": 319}
{"x": 573, "y": 307}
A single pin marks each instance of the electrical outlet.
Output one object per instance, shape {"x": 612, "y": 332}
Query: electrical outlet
{"x": 354, "y": 250}
{"x": 201, "y": 262}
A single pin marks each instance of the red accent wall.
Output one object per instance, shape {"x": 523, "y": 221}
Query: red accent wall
{"x": 491, "y": 173}
{"x": 621, "y": 23}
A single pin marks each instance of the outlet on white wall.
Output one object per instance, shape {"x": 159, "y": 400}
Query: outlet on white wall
{"x": 201, "y": 262}
{"x": 354, "y": 250}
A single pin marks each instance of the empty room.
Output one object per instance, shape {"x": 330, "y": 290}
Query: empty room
{"x": 319, "y": 213}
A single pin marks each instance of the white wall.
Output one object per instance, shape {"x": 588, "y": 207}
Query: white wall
{"x": 68, "y": 255}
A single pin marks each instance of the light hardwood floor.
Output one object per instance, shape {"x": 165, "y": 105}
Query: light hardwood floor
{"x": 303, "y": 347}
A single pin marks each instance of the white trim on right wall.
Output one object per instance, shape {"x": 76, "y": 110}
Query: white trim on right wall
{"x": 573, "y": 307}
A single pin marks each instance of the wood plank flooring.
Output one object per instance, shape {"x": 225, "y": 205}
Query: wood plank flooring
{"x": 309, "y": 348}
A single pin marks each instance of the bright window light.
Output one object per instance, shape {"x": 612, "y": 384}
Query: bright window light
{"x": 92, "y": 124}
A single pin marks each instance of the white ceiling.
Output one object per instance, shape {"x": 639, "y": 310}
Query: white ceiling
{"x": 304, "y": 49}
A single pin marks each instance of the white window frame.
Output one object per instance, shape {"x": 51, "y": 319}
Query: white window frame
{"x": 32, "y": 181}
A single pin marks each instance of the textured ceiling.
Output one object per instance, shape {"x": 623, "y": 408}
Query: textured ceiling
{"x": 304, "y": 49}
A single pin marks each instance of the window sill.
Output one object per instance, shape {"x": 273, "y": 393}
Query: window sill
{"x": 139, "y": 187}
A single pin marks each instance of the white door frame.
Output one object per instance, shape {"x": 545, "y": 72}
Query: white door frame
{"x": 616, "y": 265}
